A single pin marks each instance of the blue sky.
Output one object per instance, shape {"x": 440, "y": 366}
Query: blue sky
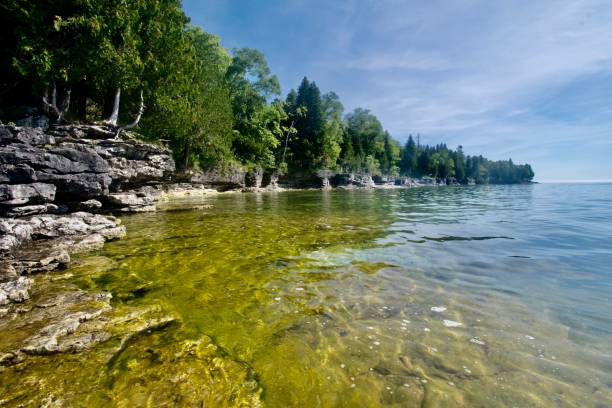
{"x": 531, "y": 80}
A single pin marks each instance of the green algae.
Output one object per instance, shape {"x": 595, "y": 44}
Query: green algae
{"x": 293, "y": 299}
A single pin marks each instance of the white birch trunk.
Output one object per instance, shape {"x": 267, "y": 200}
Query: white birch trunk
{"x": 52, "y": 106}
{"x": 112, "y": 120}
{"x": 136, "y": 120}
{"x": 65, "y": 106}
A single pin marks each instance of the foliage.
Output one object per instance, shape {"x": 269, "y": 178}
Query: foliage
{"x": 209, "y": 105}
{"x": 443, "y": 163}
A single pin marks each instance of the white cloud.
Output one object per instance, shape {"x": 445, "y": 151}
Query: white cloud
{"x": 475, "y": 72}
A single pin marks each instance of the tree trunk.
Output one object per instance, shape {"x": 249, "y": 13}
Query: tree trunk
{"x": 114, "y": 116}
{"x": 65, "y": 105}
{"x": 81, "y": 102}
{"x": 136, "y": 120}
{"x": 54, "y": 96}
{"x": 185, "y": 157}
{"x": 287, "y": 139}
{"x": 53, "y": 107}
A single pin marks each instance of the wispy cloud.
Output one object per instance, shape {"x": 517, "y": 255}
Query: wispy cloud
{"x": 518, "y": 78}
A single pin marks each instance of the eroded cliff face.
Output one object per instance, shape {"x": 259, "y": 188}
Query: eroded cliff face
{"x": 64, "y": 168}
{"x": 53, "y": 185}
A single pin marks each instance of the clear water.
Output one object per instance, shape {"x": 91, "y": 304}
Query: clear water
{"x": 458, "y": 296}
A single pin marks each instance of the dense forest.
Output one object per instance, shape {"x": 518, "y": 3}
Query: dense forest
{"x": 139, "y": 63}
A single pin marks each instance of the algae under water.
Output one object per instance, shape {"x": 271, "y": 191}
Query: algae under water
{"x": 456, "y": 296}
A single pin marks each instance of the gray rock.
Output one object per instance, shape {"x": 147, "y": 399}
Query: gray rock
{"x": 352, "y": 180}
{"x": 132, "y": 202}
{"x": 19, "y": 194}
{"x": 30, "y": 210}
{"x": 78, "y": 186}
{"x": 221, "y": 179}
{"x": 33, "y": 136}
{"x": 17, "y": 174}
{"x": 254, "y": 178}
{"x": 89, "y": 205}
{"x": 6, "y": 136}
{"x": 73, "y": 228}
{"x": 16, "y": 291}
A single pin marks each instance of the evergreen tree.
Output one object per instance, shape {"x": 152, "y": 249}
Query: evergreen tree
{"x": 408, "y": 163}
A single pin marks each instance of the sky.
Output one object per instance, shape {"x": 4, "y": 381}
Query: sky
{"x": 521, "y": 79}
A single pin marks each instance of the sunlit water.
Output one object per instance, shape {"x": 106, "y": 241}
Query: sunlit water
{"x": 456, "y": 296}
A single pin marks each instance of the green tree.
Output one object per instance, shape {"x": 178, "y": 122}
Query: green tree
{"x": 408, "y": 162}
{"x": 257, "y": 125}
{"x": 459, "y": 162}
{"x": 307, "y": 146}
{"x": 191, "y": 106}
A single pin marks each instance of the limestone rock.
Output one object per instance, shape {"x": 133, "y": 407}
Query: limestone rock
{"x": 31, "y": 210}
{"x": 15, "y": 291}
{"x": 19, "y": 194}
{"x": 132, "y": 202}
{"x": 89, "y": 205}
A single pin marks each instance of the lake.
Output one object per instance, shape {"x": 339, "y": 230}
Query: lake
{"x": 480, "y": 296}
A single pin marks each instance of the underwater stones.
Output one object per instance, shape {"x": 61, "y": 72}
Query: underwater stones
{"x": 451, "y": 323}
{"x": 63, "y": 315}
{"x": 45, "y": 241}
{"x": 476, "y": 340}
{"x": 173, "y": 372}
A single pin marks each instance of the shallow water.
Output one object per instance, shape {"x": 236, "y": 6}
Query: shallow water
{"x": 457, "y": 296}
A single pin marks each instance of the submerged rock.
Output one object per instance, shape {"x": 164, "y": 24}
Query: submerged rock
{"x": 15, "y": 291}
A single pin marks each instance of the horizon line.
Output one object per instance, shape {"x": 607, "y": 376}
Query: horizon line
{"x": 602, "y": 181}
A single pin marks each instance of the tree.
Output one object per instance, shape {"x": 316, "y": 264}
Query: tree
{"x": 258, "y": 127}
{"x": 459, "y": 162}
{"x": 408, "y": 163}
{"x": 308, "y": 144}
{"x": 368, "y": 137}
{"x": 333, "y": 132}
{"x": 191, "y": 106}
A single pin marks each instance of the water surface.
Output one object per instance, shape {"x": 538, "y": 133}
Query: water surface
{"x": 456, "y": 296}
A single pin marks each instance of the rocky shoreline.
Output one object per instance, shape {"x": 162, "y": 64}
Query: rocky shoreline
{"x": 58, "y": 190}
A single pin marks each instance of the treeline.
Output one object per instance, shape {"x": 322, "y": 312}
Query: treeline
{"x": 443, "y": 163}
{"x": 141, "y": 64}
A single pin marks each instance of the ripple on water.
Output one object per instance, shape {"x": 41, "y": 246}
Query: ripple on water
{"x": 327, "y": 299}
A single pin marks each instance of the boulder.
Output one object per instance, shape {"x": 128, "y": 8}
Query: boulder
{"x": 132, "y": 202}
{"x": 89, "y": 205}
{"x": 16, "y": 291}
{"x": 20, "y": 194}
{"x": 18, "y": 231}
{"x": 80, "y": 186}
{"x": 33, "y": 136}
{"x": 17, "y": 174}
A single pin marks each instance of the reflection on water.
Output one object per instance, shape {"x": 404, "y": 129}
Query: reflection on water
{"x": 467, "y": 296}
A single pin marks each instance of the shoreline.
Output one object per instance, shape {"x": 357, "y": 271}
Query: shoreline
{"x": 61, "y": 193}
